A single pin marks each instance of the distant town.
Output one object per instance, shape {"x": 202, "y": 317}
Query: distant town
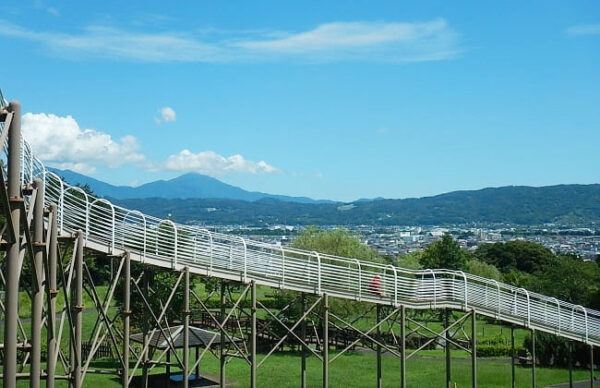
{"x": 398, "y": 240}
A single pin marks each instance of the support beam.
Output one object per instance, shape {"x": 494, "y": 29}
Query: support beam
{"x": 512, "y": 356}
{"x": 303, "y": 348}
{"x": 570, "y": 351}
{"x": 474, "y": 348}
{"x": 378, "y": 336}
{"x": 447, "y": 348}
{"x": 253, "y": 338}
{"x": 38, "y": 279}
{"x": 592, "y": 366}
{"x": 222, "y": 342}
{"x": 403, "y": 346}
{"x": 196, "y": 360}
{"x": 145, "y": 330}
{"x": 52, "y": 293}
{"x": 533, "y": 358}
{"x": 186, "y": 329}
{"x": 325, "y": 348}
{"x": 126, "y": 314}
{"x": 11, "y": 313}
{"x": 78, "y": 312}
{"x": 168, "y": 368}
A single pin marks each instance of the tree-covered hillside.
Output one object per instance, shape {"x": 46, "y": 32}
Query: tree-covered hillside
{"x": 512, "y": 204}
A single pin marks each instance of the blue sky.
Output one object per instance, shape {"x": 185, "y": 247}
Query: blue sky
{"x": 338, "y": 100}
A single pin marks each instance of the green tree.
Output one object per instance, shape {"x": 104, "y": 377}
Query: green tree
{"x": 520, "y": 279}
{"x": 444, "y": 253}
{"x": 571, "y": 279}
{"x": 524, "y": 256}
{"x": 337, "y": 242}
{"x": 479, "y": 268}
{"x": 410, "y": 260}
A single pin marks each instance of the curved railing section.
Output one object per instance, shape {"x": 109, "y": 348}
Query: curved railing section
{"x": 175, "y": 245}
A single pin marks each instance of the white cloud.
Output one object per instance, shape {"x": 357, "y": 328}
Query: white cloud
{"x": 82, "y": 168}
{"x": 390, "y": 42}
{"x": 338, "y": 41}
{"x": 167, "y": 114}
{"x": 211, "y": 163}
{"x": 61, "y": 142}
{"x": 583, "y": 29}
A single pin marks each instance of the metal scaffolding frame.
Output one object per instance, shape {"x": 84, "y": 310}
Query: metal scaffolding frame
{"x": 48, "y": 221}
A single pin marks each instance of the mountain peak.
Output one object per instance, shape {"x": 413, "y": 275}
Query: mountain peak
{"x": 189, "y": 185}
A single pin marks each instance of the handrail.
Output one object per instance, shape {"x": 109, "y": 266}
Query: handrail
{"x": 526, "y": 293}
{"x": 210, "y": 247}
{"x": 112, "y": 209}
{"x": 430, "y": 271}
{"x": 466, "y": 289}
{"x": 87, "y": 208}
{"x": 245, "y": 260}
{"x": 497, "y": 294}
{"x": 60, "y": 199}
{"x": 552, "y": 299}
{"x": 318, "y": 256}
{"x": 580, "y": 307}
{"x": 175, "y": 238}
{"x": 143, "y": 217}
{"x": 395, "y": 284}
{"x": 282, "y": 266}
{"x": 359, "y": 279}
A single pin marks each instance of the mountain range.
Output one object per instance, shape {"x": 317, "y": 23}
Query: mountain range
{"x": 191, "y": 185}
{"x": 194, "y": 198}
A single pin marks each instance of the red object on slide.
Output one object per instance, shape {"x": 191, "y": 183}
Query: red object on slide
{"x": 375, "y": 285}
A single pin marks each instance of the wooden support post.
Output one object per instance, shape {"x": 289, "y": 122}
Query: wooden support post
{"x": 302, "y": 347}
{"x": 126, "y": 314}
{"x": 325, "y": 349}
{"x": 37, "y": 280}
{"x": 222, "y": 343}
{"x": 533, "y": 359}
{"x": 13, "y": 269}
{"x": 403, "y": 346}
{"x": 474, "y": 348}
{"x": 78, "y": 311}
{"x": 512, "y": 356}
{"x": 570, "y": 347}
{"x": 253, "y": 338}
{"x": 168, "y": 368}
{"x": 592, "y": 366}
{"x": 52, "y": 293}
{"x": 378, "y": 336}
{"x": 186, "y": 329}
{"x": 447, "y": 348}
{"x": 197, "y": 372}
{"x": 145, "y": 329}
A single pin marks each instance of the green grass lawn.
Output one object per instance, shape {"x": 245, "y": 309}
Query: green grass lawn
{"x": 359, "y": 370}
{"x": 25, "y": 300}
{"x": 355, "y": 369}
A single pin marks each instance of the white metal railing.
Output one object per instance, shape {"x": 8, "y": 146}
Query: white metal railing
{"x": 219, "y": 254}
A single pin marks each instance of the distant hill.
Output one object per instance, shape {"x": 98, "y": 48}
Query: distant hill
{"x": 185, "y": 186}
{"x": 567, "y": 204}
{"x": 199, "y": 198}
